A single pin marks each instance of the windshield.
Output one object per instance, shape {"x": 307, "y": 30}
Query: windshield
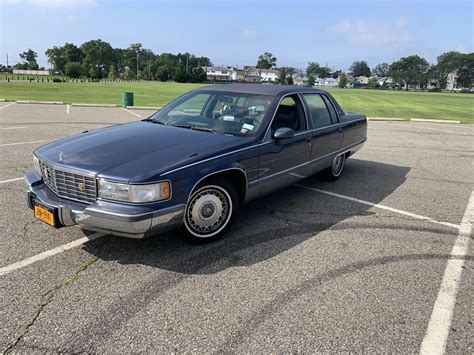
{"x": 236, "y": 114}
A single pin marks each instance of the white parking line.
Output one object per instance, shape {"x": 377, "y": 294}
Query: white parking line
{"x": 133, "y": 113}
{"x": 376, "y": 205}
{"x": 38, "y": 257}
{"x": 1, "y": 108}
{"x": 10, "y": 180}
{"x": 13, "y": 127}
{"x": 31, "y": 142}
{"x": 439, "y": 325}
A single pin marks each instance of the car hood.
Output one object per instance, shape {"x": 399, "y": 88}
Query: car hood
{"x": 135, "y": 152}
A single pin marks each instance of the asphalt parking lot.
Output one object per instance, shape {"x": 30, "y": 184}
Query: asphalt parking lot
{"x": 363, "y": 264}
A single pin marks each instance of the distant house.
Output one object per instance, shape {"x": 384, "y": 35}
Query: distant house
{"x": 326, "y": 82}
{"x": 269, "y": 75}
{"x": 300, "y": 79}
{"x": 219, "y": 73}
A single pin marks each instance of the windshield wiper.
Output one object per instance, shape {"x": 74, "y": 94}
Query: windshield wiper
{"x": 204, "y": 129}
{"x": 196, "y": 128}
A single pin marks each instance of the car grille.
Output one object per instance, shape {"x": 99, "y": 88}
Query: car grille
{"x": 69, "y": 185}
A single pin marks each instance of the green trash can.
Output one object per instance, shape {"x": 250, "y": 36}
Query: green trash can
{"x": 127, "y": 99}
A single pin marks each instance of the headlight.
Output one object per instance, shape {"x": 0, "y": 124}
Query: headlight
{"x": 36, "y": 165}
{"x": 134, "y": 193}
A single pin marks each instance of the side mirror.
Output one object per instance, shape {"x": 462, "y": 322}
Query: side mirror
{"x": 283, "y": 133}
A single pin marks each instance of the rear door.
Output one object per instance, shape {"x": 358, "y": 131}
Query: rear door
{"x": 327, "y": 133}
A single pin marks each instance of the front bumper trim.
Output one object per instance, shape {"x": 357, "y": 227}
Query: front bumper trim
{"x": 96, "y": 218}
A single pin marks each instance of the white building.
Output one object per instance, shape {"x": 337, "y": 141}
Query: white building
{"x": 219, "y": 73}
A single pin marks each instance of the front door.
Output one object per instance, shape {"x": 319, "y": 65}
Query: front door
{"x": 285, "y": 161}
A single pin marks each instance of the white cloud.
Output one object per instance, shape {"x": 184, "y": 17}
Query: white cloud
{"x": 51, "y": 4}
{"x": 248, "y": 33}
{"x": 374, "y": 32}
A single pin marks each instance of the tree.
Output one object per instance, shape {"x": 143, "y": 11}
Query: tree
{"x": 198, "y": 75}
{"x": 59, "y": 56}
{"x": 372, "y": 83}
{"x": 162, "y": 73}
{"x": 312, "y": 69}
{"x": 29, "y": 58}
{"x": 381, "y": 70}
{"x": 410, "y": 70}
{"x": 98, "y": 56}
{"x": 336, "y": 74}
{"x": 359, "y": 68}
{"x": 73, "y": 70}
{"x": 311, "y": 80}
{"x": 181, "y": 76}
{"x": 112, "y": 72}
{"x": 465, "y": 71}
{"x": 266, "y": 61}
{"x": 343, "y": 80}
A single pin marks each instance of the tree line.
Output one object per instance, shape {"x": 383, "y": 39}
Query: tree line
{"x": 97, "y": 59}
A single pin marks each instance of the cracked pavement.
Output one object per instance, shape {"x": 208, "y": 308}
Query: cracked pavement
{"x": 299, "y": 272}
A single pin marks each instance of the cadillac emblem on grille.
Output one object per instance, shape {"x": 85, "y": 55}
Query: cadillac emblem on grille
{"x": 81, "y": 186}
{"x": 45, "y": 172}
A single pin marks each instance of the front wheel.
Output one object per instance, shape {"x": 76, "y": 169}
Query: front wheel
{"x": 336, "y": 168}
{"x": 210, "y": 211}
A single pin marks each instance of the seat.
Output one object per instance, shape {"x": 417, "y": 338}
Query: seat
{"x": 286, "y": 116}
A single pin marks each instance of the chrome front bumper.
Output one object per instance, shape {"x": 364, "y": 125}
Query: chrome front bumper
{"x": 110, "y": 218}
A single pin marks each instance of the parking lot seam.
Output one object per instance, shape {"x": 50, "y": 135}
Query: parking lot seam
{"x": 437, "y": 332}
{"x": 383, "y": 207}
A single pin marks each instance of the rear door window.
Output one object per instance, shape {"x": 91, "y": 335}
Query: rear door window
{"x": 320, "y": 116}
{"x": 330, "y": 106}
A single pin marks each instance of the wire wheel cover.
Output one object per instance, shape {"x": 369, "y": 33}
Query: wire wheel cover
{"x": 207, "y": 211}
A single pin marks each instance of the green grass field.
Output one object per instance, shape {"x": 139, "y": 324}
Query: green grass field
{"x": 373, "y": 103}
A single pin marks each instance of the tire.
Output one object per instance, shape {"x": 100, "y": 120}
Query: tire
{"x": 335, "y": 171}
{"x": 210, "y": 211}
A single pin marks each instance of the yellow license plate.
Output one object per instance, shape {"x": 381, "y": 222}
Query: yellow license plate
{"x": 44, "y": 215}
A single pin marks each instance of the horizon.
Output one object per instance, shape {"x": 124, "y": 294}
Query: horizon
{"x": 376, "y": 32}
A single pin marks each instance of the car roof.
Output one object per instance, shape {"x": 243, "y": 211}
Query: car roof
{"x": 262, "y": 89}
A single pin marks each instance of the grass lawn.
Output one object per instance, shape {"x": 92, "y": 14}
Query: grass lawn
{"x": 373, "y": 103}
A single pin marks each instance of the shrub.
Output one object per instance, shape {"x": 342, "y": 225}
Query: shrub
{"x": 73, "y": 69}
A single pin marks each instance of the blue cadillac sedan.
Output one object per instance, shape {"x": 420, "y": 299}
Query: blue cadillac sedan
{"x": 193, "y": 164}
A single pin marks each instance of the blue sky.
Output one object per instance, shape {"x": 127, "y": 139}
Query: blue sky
{"x": 235, "y": 32}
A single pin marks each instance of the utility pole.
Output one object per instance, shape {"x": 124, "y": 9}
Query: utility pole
{"x": 137, "y": 63}
{"x": 7, "y": 61}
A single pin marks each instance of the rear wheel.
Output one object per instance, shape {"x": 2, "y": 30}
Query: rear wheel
{"x": 336, "y": 168}
{"x": 210, "y": 211}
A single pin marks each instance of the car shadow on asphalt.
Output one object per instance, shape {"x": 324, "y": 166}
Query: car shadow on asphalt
{"x": 276, "y": 222}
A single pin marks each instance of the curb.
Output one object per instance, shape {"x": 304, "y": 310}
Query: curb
{"x": 144, "y": 108}
{"x": 93, "y": 105}
{"x": 385, "y": 119}
{"x": 434, "y": 121}
{"x": 40, "y": 102}
{"x": 2, "y": 100}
